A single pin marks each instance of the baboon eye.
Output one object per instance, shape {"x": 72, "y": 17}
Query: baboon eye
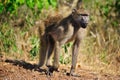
{"x": 84, "y": 14}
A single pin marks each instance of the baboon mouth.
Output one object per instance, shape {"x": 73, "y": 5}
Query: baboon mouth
{"x": 84, "y": 25}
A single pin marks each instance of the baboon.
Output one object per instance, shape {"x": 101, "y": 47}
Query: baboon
{"x": 61, "y": 32}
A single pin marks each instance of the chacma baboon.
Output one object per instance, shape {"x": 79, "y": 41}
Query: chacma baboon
{"x": 55, "y": 35}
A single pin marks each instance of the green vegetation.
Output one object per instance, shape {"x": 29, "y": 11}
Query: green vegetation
{"x": 104, "y": 31}
{"x": 11, "y": 12}
{"x": 65, "y": 57}
{"x": 12, "y": 5}
{"x": 102, "y": 44}
{"x": 7, "y": 38}
{"x": 35, "y": 46}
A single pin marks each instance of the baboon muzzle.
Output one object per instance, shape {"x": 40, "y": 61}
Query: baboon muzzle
{"x": 82, "y": 20}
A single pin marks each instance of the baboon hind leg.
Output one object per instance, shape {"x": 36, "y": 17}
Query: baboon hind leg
{"x": 50, "y": 51}
{"x": 56, "y": 58}
{"x": 43, "y": 52}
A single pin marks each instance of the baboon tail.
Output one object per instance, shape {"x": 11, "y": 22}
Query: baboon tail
{"x": 41, "y": 27}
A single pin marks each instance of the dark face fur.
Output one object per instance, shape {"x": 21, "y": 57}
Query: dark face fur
{"x": 81, "y": 18}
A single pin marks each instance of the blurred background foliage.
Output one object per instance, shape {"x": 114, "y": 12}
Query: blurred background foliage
{"x": 19, "y": 35}
{"x": 103, "y": 37}
{"x": 17, "y": 17}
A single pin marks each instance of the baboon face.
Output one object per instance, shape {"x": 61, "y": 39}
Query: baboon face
{"x": 81, "y": 18}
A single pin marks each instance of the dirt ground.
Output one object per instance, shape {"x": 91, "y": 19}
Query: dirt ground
{"x": 21, "y": 70}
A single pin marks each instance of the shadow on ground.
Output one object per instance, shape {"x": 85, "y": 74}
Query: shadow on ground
{"x": 25, "y": 65}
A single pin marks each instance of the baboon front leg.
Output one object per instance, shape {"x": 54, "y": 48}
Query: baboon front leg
{"x": 74, "y": 56}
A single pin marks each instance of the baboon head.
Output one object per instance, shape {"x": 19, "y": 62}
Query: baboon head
{"x": 81, "y": 18}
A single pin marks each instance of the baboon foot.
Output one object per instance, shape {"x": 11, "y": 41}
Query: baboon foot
{"x": 42, "y": 69}
{"x": 72, "y": 73}
{"x": 50, "y": 70}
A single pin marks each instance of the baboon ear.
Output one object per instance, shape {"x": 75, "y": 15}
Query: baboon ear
{"x": 74, "y": 11}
